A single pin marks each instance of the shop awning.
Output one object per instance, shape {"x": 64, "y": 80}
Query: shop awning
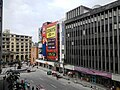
{"x": 45, "y": 62}
{"x": 71, "y": 67}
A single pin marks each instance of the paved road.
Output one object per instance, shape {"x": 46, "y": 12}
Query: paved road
{"x": 49, "y": 82}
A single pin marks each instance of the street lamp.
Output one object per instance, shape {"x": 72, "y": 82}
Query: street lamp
{"x": 0, "y": 65}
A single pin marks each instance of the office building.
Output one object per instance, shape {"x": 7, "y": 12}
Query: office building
{"x": 1, "y": 9}
{"x": 34, "y": 53}
{"x": 15, "y": 47}
{"x": 52, "y": 48}
{"x": 93, "y": 43}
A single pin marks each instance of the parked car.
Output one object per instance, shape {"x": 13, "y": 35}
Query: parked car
{"x": 54, "y": 73}
{"x": 49, "y": 72}
{"x": 58, "y": 76}
{"x": 29, "y": 70}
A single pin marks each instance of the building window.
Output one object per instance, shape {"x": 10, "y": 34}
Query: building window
{"x": 115, "y": 26}
{"x": 7, "y": 46}
{"x": 83, "y": 32}
{"x": 95, "y": 41}
{"x": 110, "y": 27}
{"x": 99, "y": 52}
{"x": 106, "y": 40}
{"x": 98, "y": 29}
{"x": 110, "y": 14}
{"x": 106, "y": 27}
{"x": 102, "y": 28}
{"x": 116, "y": 53}
{"x": 106, "y": 15}
{"x": 107, "y": 53}
{"x": 102, "y": 40}
{"x": 114, "y": 13}
{"x": 102, "y": 17}
{"x": 115, "y": 39}
{"x": 111, "y": 40}
{"x": 119, "y": 25}
{"x": 12, "y": 46}
{"x": 115, "y": 19}
{"x": 111, "y": 53}
{"x": 3, "y": 46}
{"x": 99, "y": 41}
{"x": 103, "y": 53}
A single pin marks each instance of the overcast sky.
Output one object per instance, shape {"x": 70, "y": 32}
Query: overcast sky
{"x": 26, "y": 16}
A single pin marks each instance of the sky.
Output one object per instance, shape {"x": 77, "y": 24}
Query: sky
{"x": 24, "y": 17}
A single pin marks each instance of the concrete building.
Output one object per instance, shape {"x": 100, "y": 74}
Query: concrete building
{"x": 16, "y": 47}
{"x": 34, "y": 53}
{"x": 39, "y": 44}
{"x": 1, "y": 9}
{"x": 61, "y": 43}
{"x": 93, "y": 43}
{"x": 52, "y": 45}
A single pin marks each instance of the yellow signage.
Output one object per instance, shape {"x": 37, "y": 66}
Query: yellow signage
{"x": 51, "y": 32}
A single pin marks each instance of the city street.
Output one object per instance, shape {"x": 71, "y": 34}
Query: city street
{"x": 48, "y": 82}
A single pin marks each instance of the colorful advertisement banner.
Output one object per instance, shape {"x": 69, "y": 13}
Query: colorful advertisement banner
{"x": 51, "y": 43}
{"x": 51, "y": 32}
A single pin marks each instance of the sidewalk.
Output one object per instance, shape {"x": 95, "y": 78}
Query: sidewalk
{"x": 78, "y": 81}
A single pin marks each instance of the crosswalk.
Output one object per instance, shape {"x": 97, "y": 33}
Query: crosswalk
{"x": 40, "y": 87}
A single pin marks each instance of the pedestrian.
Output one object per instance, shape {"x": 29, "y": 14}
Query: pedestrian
{"x": 113, "y": 88}
{"x": 32, "y": 87}
{"x": 57, "y": 77}
{"x": 36, "y": 88}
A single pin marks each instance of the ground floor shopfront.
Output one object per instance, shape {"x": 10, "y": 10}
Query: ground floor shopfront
{"x": 93, "y": 76}
{"x": 88, "y": 75}
{"x": 50, "y": 65}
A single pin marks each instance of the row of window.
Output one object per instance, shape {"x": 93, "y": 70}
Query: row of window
{"x": 94, "y": 41}
{"x": 94, "y": 63}
{"x": 106, "y": 14}
{"x": 8, "y": 46}
{"x": 93, "y": 52}
{"x": 101, "y": 22}
{"x": 86, "y": 32}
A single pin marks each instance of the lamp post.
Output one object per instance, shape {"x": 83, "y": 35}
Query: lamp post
{"x": 0, "y": 65}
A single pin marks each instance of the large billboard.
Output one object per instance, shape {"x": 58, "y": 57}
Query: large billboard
{"x": 52, "y": 41}
{"x": 44, "y": 40}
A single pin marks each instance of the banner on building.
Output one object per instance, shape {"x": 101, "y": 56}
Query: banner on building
{"x": 51, "y": 32}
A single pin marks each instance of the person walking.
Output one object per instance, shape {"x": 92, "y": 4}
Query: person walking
{"x": 32, "y": 87}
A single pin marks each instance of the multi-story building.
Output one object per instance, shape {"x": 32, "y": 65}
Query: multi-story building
{"x": 52, "y": 41}
{"x": 39, "y": 43}
{"x": 60, "y": 23}
{"x": 34, "y": 53}
{"x": 1, "y": 9}
{"x": 93, "y": 43}
{"x": 16, "y": 47}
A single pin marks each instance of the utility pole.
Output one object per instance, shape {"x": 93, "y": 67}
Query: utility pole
{"x": 0, "y": 65}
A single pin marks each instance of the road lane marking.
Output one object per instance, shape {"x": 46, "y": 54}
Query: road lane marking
{"x": 32, "y": 81}
{"x": 53, "y": 85}
{"x": 41, "y": 79}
